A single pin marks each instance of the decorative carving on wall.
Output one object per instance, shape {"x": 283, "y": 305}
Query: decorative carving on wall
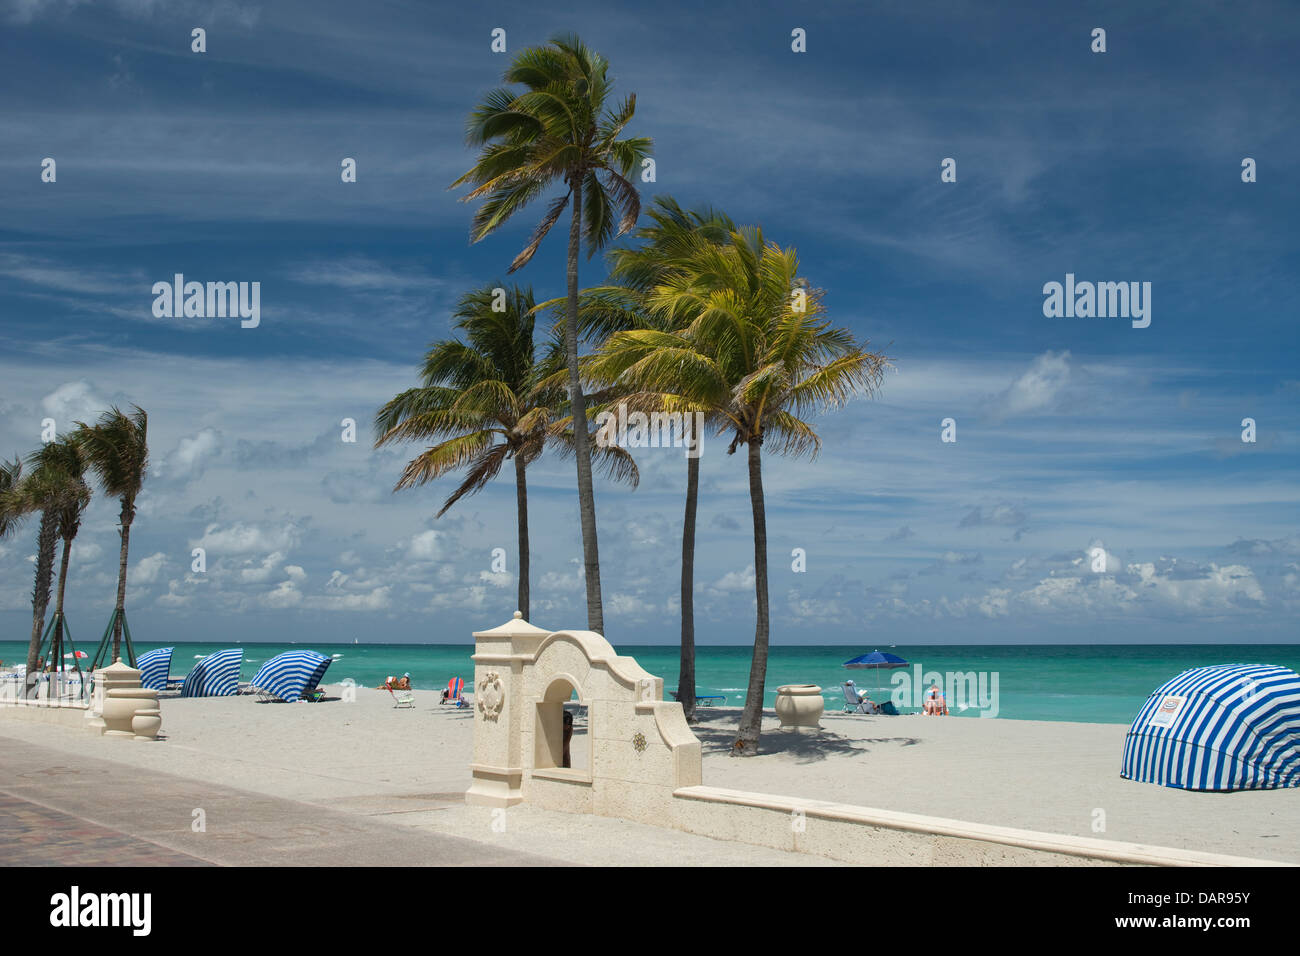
{"x": 638, "y": 742}
{"x": 491, "y": 696}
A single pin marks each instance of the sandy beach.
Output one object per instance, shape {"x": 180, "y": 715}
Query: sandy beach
{"x": 410, "y": 768}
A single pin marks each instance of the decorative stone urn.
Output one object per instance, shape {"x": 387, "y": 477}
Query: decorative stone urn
{"x": 147, "y": 721}
{"x": 800, "y": 706}
{"x": 124, "y": 701}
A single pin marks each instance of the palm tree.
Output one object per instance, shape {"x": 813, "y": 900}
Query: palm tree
{"x": 623, "y": 305}
{"x": 485, "y": 401}
{"x": 51, "y": 487}
{"x": 75, "y": 500}
{"x": 758, "y": 352}
{"x": 11, "y": 473}
{"x": 559, "y": 129}
{"x": 116, "y": 449}
{"x": 12, "y": 507}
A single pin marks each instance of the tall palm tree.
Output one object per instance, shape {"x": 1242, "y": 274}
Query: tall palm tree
{"x": 622, "y": 305}
{"x": 116, "y": 449}
{"x": 75, "y": 500}
{"x": 13, "y": 509}
{"x": 559, "y": 129}
{"x": 50, "y": 486}
{"x": 485, "y": 401}
{"x": 758, "y": 351}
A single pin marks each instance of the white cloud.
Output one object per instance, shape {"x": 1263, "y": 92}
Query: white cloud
{"x": 146, "y": 570}
{"x": 263, "y": 572}
{"x": 736, "y": 580}
{"x": 247, "y": 538}
{"x": 190, "y": 457}
{"x": 72, "y": 402}
{"x": 1037, "y": 390}
{"x": 425, "y": 546}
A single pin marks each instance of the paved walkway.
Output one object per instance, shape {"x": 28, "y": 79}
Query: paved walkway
{"x": 57, "y": 810}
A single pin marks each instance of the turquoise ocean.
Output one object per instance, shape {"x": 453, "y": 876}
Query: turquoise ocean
{"x": 1093, "y": 683}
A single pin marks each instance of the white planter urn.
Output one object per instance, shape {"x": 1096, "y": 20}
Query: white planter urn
{"x": 123, "y": 700}
{"x": 800, "y": 706}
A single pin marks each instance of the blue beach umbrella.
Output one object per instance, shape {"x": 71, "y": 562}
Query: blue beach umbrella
{"x": 287, "y": 675}
{"x": 216, "y": 675}
{"x": 1227, "y": 727}
{"x": 155, "y": 667}
{"x": 876, "y": 660}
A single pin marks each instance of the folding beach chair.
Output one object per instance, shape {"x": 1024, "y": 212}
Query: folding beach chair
{"x": 455, "y": 693}
{"x": 405, "y": 699}
{"x": 855, "y": 703}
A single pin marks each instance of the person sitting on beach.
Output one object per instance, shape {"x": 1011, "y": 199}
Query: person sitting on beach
{"x": 397, "y": 683}
{"x": 935, "y": 705}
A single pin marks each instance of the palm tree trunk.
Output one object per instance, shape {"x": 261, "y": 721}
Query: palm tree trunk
{"x": 751, "y": 719}
{"x": 521, "y": 503}
{"x": 57, "y": 647}
{"x": 46, "y": 539}
{"x": 586, "y": 496}
{"x": 686, "y": 678}
{"x": 120, "y": 616}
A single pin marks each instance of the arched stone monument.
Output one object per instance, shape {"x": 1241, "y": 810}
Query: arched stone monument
{"x": 641, "y": 748}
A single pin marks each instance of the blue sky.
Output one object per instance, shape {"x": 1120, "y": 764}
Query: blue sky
{"x": 1072, "y": 433}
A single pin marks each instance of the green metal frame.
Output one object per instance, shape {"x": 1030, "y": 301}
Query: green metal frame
{"x": 56, "y": 645}
{"x": 106, "y": 642}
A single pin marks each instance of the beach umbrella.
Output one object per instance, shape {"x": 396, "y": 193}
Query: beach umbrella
{"x": 216, "y": 675}
{"x": 287, "y": 675}
{"x": 77, "y": 654}
{"x": 155, "y": 667}
{"x": 875, "y": 660}
{"x": 1227, "y": 727}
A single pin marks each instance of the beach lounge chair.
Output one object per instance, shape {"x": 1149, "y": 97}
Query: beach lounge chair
{"x": 855, "y": 703}
{"x": 403, "y": 698}
{"x": 455, "y": 693}
{"x": 704, "y": 700}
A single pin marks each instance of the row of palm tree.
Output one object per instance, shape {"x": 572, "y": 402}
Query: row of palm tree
{"x": 52, "y": 483}
{"x": 700, "y": 317}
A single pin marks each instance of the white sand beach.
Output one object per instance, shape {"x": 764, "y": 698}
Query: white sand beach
{"x": 410, "y": 767}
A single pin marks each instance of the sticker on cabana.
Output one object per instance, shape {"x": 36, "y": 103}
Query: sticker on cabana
{"x": 1167, "y": 711}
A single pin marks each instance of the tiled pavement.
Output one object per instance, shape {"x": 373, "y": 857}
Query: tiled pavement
{"x": 32, "y": 835}
{"x": 57, "y": 809}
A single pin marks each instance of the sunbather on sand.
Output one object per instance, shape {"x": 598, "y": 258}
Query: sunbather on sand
{"x": 396, "y": 683}
{"x": 935, "y": 704}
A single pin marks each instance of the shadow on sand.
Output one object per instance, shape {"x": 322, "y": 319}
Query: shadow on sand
{"x": 717, "y": 735}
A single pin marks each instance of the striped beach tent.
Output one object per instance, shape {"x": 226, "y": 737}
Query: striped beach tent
{"x": 287, "y": 675}
{"x": 155, "y": 667}
{"x": 1227, "y": 727}
{"x": 216, "y": 675}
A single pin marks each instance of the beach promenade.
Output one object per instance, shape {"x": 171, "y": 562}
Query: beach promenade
{"x": 72, "y": 810}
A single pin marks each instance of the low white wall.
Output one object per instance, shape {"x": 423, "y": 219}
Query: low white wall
{"x": 43, "y": 713}
{"x": 870, "y": 837}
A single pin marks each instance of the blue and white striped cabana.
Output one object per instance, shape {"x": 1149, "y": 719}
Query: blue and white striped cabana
{"x": 155, "y": 667}
{"x": 1227, "y": 727}
{"x": 287, "y": 675}
{"x": 216, "y": 675}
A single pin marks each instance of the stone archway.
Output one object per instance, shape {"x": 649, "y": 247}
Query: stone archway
{"x": 641, "y": 749}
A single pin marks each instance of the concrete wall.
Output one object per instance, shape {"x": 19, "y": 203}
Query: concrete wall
{"x": 646, "y": 766}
